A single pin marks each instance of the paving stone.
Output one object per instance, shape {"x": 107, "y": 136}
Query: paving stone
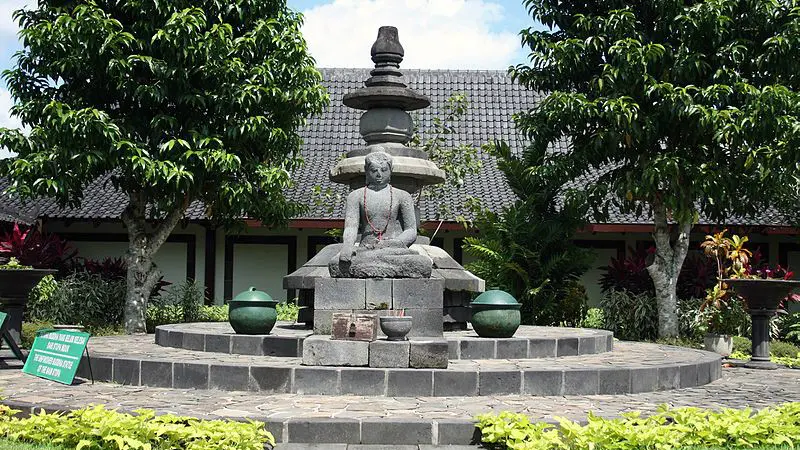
{"x": 540, "y": 382}
{"x": 229, "y": 377}
{"x": 363, "y": 382}
{"x": 101, "y": 369}
{"x": 428, "y": 354}
{"x": 417, "y": 293}
{"x": 190, "y": 375}
{"x": 512, "y": 348}
{"x": 477, "y": 349}
{"x": 340, "y": 293}
{"x": 218, "y": 343}
{"x": 384, "y": 353}
{"x": 409, "y": 383}
{"x": 500, "y": 382}
{"x": 425, "y": 322}
{"x": 704, "y": 374}
{"x": 451, "y": 431}
{"x": 378, "y": 292}
{"x": 614, "y": 381}
{"x": 453, "y": 384}
{"x": 542, "y": 348}
{"x": 242, "y": 344}
{"x": 567, "y": 347}
{"x": 688, "y": 377}
{"x": 389, "y": 431}
{"x": 126, "y": 371}
{"x": 453, "y": 349}
{"x": 324, "y": 351}
{"x": 324, "y": 430}
{"x": 156, "y": 374}
{"x": 669, "y": 378}
{"x": 581, "y": 382}
{"x": 587, "y": 345}
{"x": 272, "y": 380}
{"x": 281, "y": 346}
{"x": 314, "y": 380}
{"x": 173, "y": 339}
{"x": 161, "y": 336}
{"x": 193, "y": 341}
{"x": 644, "y": 380}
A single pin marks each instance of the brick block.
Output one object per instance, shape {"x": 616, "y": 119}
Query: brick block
{"x": 193, "y": 341}
{"x": 363, "y": 382}
{"x": 543, "y": 382}
{"x": 614, "y": 381}
{"x": 323, "y": 320}
{"x": 323, "y": 351}
{"x": 581, "y": 382}
{"x": 378, "y": 292}
{"x": 190, "y": 375}
{"x": 541, "y": 348}
{"x": 126, "y": 371}
{"x": 425, "y": 322}
{"x": 271, "y": 380}
{"x": 500, "y": 382}
{"x": 316, "y": 381}
{"x": 448, "y": 383}
{"x": 325, "y": 431}
{"x": 644, "y": 380}
{"x": 157, "y": 374}
{"x": 229, "y": 377}
{"x": 410, "y": 383}
{"x": 340, "y": 293}
{"x": 389, "y": 431}
{"x": 428, "y": 354}
{"x": 389, "y": 353}
{"x": 418, "y": 293}
{"x": 567, "y": 347}
{"x": 477, "y": 349}
{"x": 512, "y": 348}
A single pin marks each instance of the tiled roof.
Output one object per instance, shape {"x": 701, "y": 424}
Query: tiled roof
{"x": 493, "y": 99}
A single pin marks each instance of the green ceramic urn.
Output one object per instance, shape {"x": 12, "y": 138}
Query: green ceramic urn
{"x": 495, "y": 314}
{"x": 252, "y": 312}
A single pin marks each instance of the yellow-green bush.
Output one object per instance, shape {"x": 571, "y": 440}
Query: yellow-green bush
{"x": 665, "y": 430}
{"x": 97, "y": 428}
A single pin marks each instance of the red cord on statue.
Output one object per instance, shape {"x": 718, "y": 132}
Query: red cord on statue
{"x": 388, "y": 214}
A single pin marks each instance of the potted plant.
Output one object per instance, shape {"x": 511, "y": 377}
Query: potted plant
{"x": 395, "y": 325}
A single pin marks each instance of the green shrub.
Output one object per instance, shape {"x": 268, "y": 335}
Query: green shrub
{"x": 287, "y": 311}
{"x": 783, "y": 349}
{"x": 632, "y": 317}
{"x": 667, "y": 429}
{"x": 29, "y": 330}
{"x": 594, "y": 318}
{"x": 41, "y": 293}
{"x": 742, "y": 344}
{"x": 789, "y": 327}
{"x": 81, "y": 299}
{"x": 213, "y": 313}
{"x": 98, "y": 428}
{"x": 166, "y": 314}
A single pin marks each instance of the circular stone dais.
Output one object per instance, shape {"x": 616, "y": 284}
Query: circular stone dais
{"x": 252, "y": 312}
{"x": 495, "y": 314}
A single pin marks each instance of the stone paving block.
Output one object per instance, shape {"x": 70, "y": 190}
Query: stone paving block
{"x": 609, "y": 342}
{"x": 454, "y": 432}
{"x": 581, "y": 382}
{"x": 229, "y": 377}
{"x": 703, "y": 373}
{"x": 716, "y": 369}
{"x": 378, "y": 291}
{"x": 323, "y": 430}
{"x": 428, "y": 354}
{"x": 417, "y": 293}
{"x": 567, "y": 347}
{"x": 323, "y": 320}
{"x": 448, "y": 383}
{"x": 156, "y": 374}
{"x": 190, "y": 376}
{"x": 220, "y": 343}
{"x": 363, "y": 382}
{"x": 384, "y": 353}
{"x": 499, "y": 382}
{"x": 126, "y": 371}
{"x": 161, "y": 336}
{"x": 587, "y": 345}
{"x": 410, "y": 383}
{"x": 477, "y": 349}
{"x": 271, "y": 380}
{"x": 340, "y": 293}
{"x": 600, "y": 344}
{"x": 287, "y": 346}
{"x": 541, "y": 348}
{"x": 644, "y": 380}
{"x": 425, "y": 322}
{"x": 273, "y": 426}
{"x": 453, "y": 349}
{"x": 243, "y": 344}
{"x": 668, "y": 378}
{"x": 543, "y": 382}
{"x": 688, "y": 376}
{"x": 614, "y": 381}
{"x": 388, "y": 431}
{"x": 296, "y": 446}
{"x": 316, "y": 381}
{"x": 193, "y": 341}
{"x": 324, "y": 351}
{"x": 101, "y": 369}
{"x": 512, "y": 348}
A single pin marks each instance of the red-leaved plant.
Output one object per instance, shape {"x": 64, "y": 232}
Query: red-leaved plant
{"x": 32, "y": 248}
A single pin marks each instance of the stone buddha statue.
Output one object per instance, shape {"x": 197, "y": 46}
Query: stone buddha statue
{"x": 379, "y": 226}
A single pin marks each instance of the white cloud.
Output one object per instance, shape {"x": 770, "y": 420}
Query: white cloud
{"x": 449, "y": 34}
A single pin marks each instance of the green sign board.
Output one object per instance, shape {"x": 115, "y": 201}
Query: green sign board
{"x": 55, "y": 355}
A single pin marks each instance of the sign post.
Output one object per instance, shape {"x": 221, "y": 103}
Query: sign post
{"x": 5, "y": 335}
{"x": 56, "y": 354}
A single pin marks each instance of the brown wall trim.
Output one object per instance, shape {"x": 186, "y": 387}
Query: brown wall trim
{"x": 189, "y": 239}
{"x": 230, "y": 241}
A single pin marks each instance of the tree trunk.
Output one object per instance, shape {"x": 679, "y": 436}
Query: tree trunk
{"x": 143, "y": 275}
{"x": 666, "y": 268}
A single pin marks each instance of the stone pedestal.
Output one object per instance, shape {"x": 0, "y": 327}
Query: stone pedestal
{"x": 416, "y": 353}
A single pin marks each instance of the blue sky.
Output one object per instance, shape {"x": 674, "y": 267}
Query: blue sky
{"x": 451, "y": 34}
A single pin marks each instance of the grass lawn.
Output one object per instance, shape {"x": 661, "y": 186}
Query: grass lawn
{"x": 7, "y": 444}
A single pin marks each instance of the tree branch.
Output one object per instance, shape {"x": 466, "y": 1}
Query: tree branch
{"x": 163, "y": 230}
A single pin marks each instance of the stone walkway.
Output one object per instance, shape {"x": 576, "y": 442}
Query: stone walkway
{"x": 389, "y": 420}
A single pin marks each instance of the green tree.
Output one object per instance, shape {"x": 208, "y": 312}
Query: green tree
{"x": 527, "y": 249}
{"x": 175, "y": 101}
{"x": 673, "y": 108}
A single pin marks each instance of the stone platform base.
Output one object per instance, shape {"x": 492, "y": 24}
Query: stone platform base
{"x": 416, "y": 353}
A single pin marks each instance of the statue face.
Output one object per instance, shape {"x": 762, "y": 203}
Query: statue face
{"x": 378, "y": 174}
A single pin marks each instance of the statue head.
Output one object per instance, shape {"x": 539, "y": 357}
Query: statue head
{"x": 378, "y": 169}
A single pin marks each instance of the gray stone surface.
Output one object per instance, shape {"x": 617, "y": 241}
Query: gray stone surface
{"x": 379, "y": 291}
{"x": 321, "y": 350}
{"x": 454, "y": 384}
{"x": 499, "y": 382}
{"x": 384, "y": 353}
{"x": 323, "y": 319}
{"x": 324, "y": 430}
{"x": 392, "y": 432}
{"x": 548, "y": 382}
{"x": 428, "y": 354}
{"x": 417, "y": 293}
{"x": 156, "y": 373}
{"x": 409, "y": 382}
{"x": 340, "y": 293}
{"x": 126, "y": 371}
{"x": 271, "y": 380}
{"x": 425, "y": 322}
{"x": 229, "y": 377}
{"x": 316, "y": 381}
{"x": 477, "y": 349}
{"x": 511, "y": 348}
{"x": 363, "y": 382}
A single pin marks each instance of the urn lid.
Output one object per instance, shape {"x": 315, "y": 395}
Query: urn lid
{"x": 495, "y": 297}
{"x": 252, "y": 295}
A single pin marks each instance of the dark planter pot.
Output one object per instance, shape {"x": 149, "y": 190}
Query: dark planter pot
{"x": 763, "y": 298}
{"x": 395, "y": 327}
{"x": 15, "y": 285}
{"x": 495, "y": 314}
{"x": 252, "y": 312}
